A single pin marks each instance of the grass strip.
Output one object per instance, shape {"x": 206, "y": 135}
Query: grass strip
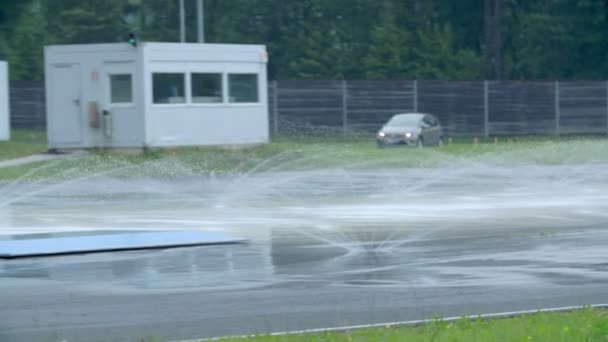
{"x": 580, "y": 325}
{"x": 314, "y": 153}
{"x": 23, "y": 143}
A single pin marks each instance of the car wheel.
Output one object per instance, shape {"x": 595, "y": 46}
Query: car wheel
{"x": 419, "y": 143}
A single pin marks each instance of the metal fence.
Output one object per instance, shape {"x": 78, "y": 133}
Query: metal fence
{"x": 480, "y": 108}
{"x": 27, "y": 104}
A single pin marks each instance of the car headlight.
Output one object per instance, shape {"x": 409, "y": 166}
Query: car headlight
{"x": 408, "y": 135}
{"x": 381, "y": 134}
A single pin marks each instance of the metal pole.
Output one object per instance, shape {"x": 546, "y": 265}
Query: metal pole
{"x": 200, "y": 16}
{"x": 275, "y": 106}
{"x": 557, "y": 114}
{"x": 486, "y": 109}
{"x": 182, "y": 21}
{"x": 415, "y": 98}
{"x": 344, "y": 107}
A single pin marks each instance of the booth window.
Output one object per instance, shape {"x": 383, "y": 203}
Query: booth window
{"x": 206, "y": 88}
{"x": 243, "y": 88}
{"x": 121, "y": 88}
{"x": 168, "y": 88}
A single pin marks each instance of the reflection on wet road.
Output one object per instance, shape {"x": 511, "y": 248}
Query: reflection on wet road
{"x": 325, "y": 249}
{"x": 519, "y": 258}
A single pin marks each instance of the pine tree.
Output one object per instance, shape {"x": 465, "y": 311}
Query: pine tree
{"x": 319, "y": 53}
{"x": 26, "y": 45}
{"x": 86, "y": 21}
{"x": 158, "y": 20}
{"x": 436, "y": 56}
{"x": 10, "y": 15}
{"x": 557, "y": 39}
{"x": 390, "y": 51}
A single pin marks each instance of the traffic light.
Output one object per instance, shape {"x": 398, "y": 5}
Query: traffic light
{"x": 132, "y": 39}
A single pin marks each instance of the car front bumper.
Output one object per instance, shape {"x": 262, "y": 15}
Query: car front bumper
{"x": 396, "y": 140}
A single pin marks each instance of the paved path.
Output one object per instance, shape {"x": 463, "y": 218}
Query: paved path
{"x": 32, "y": 159}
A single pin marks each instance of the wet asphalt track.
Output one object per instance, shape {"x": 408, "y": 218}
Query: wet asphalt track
{"x": 325, "y": 250}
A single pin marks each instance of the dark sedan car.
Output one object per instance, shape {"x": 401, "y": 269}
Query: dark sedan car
{"x": 413, "y": 129}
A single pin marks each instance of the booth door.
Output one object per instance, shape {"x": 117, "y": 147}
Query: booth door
{"x": 66, "y": 106}
{"x": 122, "y": 123}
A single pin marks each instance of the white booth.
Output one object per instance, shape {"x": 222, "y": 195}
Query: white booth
{"x": 155, "y": 95}
{"x": 5, "y": 120}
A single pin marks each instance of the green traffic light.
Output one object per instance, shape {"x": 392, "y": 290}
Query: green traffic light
{"x": 132, "y": 39}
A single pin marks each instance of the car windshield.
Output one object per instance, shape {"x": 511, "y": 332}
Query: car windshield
{"x": 404, "y": 120}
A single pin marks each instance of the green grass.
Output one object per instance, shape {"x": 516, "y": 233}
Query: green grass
{"x": 23, "y": 143}
{"x": 313, "y": 153}
{"x": 588, "y": 325}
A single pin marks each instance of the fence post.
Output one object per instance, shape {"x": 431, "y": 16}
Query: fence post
{"x": 486, "y": 110}
{"x": 415, "y": 97}
{"x": 557, "y": 114}
{"x": 344, "y": 107}
{"x": 275, "y": 106}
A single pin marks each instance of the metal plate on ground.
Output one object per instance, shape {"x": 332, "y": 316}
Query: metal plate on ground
{"x": 34, "y": 245}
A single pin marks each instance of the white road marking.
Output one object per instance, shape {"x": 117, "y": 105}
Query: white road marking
{"x": 507, "y": 314}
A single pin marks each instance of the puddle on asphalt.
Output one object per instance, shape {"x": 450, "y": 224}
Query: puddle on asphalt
{"x": 287, "y": 262}
{"x": 462, "y": 227}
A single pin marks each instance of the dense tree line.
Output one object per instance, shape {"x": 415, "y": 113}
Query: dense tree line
{"x": 334, "y": 39}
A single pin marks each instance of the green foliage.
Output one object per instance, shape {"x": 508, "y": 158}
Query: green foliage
{"x": 158, "y": 20}
{"x": 23, "y": 143}
{"x": 391, "y": 48}
{"x": 25, "y": 54}
{"x": 351, "y": 39}
{"x": 86, "y": 21}
{"x": 557, "y": 39}
{"x": 584, "y": 325}
{"x": 438, "y": 58}
{"x": 298, "y": 154}
{"x": 10, "y": 13}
